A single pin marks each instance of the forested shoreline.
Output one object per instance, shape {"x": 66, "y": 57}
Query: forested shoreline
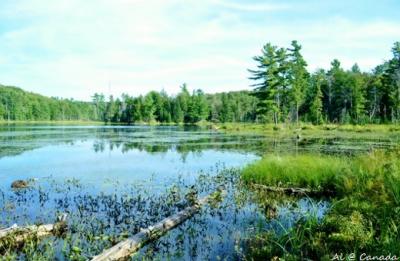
{"x": 284, "y": 91}
{"x": 19, "y": 105}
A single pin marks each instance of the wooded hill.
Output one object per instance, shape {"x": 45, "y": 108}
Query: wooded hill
{"x": 16, "y": 104}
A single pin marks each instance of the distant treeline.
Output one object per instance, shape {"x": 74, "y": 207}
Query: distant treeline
{"x": 284, "y": 91}
{"x": 17, "y": 104}
{"x": 185, "y": 107}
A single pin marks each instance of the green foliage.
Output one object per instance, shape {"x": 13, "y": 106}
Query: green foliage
{"x": 18, "y": 105}
{"x": 391, "y": 79}
{"x": 315, "y": 98}
{"x": 232, "y": 107}
{"x": 286, "y": 92}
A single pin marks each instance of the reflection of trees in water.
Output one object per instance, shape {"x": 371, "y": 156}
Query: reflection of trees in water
{"x": 98, "y": 145}
{"x": 183, "y": 146}
{"x": 15, "y": 140}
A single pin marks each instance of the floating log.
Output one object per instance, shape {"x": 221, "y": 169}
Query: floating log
{"x": 124, "y": 249}
{"x": 17, "y": 235}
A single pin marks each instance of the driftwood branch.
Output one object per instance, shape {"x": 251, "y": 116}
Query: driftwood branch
{"x": 129, "y": 246}
{"x": 17, "y": 235}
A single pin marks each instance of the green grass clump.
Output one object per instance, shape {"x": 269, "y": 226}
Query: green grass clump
{"x": 365, "y": 210}
{"x": 309, "y": 171}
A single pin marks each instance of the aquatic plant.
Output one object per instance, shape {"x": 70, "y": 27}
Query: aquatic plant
{"x": 98, "y": 220}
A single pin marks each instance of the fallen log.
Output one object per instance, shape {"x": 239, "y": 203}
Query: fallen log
{"x": 283, "y": 189}
{"x": 124, "y": 249}
{"x": 293, "y": 191}
{"x": 16, "y": 235}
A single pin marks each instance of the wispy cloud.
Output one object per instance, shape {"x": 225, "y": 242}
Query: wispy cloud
{"x": 253, "y": 7}
{"x": 75, "y": 48}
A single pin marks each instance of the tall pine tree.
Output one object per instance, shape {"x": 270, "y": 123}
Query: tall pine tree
{"x": 298, "y": 78}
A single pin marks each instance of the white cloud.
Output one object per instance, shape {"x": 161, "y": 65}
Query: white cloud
{"x": 75, "y": 48}
{"x": 265, "y": 7}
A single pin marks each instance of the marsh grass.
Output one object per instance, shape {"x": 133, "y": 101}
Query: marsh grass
{"x": 364, "y": 215}
{"x": 306, "y": 171}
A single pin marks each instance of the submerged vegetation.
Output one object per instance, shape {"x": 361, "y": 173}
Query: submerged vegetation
{"x": 98, "y": 220}
{"x": 365, "y": 208}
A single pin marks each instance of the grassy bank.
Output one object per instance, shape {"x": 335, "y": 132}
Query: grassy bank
{"x": 305, "y": 127}
{"x": 365, "y": 211}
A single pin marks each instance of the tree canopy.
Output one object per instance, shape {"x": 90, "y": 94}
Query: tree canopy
{"x": 287, "y": 92}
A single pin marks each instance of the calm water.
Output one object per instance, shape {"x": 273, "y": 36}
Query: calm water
{"x": 115, "y": 180}
{"x": 127, "y": 154}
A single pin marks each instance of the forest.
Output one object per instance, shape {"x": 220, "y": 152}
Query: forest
{"x": 283, "y": 91}
{"x": 186, "y": 107}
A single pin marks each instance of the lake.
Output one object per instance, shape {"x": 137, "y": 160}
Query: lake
{"x": 126, "y": 154}
{"x": 114, "y": 180}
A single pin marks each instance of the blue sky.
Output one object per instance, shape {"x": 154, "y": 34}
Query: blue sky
{"x": 77, "y": 47}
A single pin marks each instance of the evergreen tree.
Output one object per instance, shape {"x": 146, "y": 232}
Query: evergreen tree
{"x": 100, "y": 105}
{"x": 110, "y": 110}
{"x": 357, "y": 84}
{"x": 268, "y": 83}
{"x": 298, "y": 78}
{"x": 340, "y": 93}
{"x": 184, "y": 99}
{"x": 177, "y": 112}
{"x": 316, "y": 97}
{"x": 392, "y": 82}
{"x": 147, "y": 108}
{"x": 375, "y": 95}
